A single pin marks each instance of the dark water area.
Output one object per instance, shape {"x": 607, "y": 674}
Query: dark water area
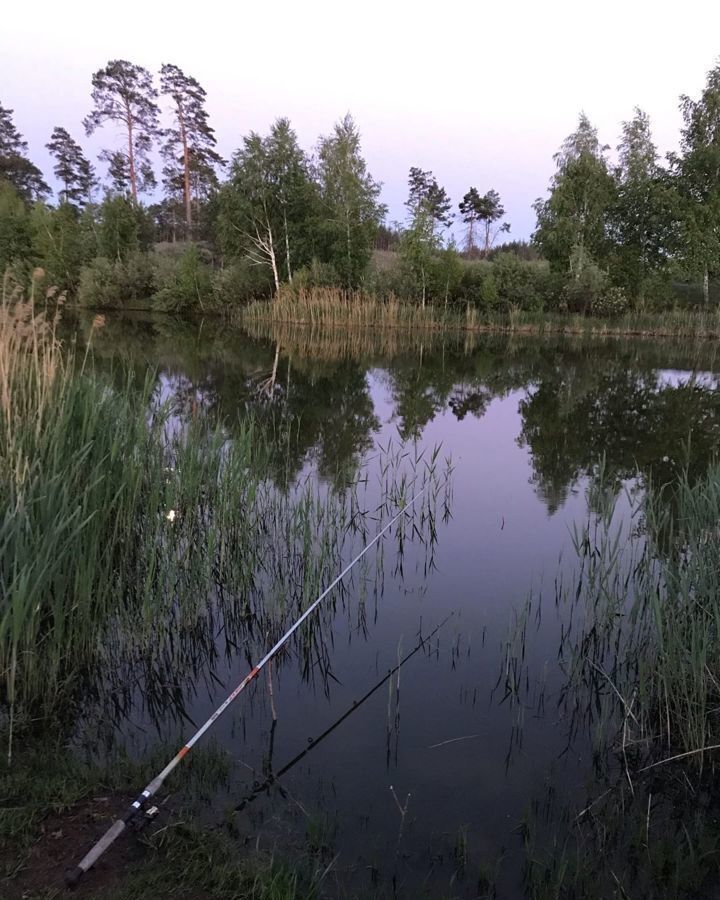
{"x": 424, "y": 784}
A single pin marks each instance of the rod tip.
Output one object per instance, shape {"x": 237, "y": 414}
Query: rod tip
{"x": 73, "y": 876}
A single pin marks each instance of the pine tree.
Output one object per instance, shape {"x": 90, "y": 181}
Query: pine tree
{"x": 15, "y": 166}
{"x": 189, "y": 148}
{"x": 483, "y": 211}
{"x": 123, "y": 93}
{"x": 118, "y": 170}
{"x": 427, "y": 197}
{"x": 72, "y": 168}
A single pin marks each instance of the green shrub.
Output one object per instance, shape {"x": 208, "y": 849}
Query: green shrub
{"x": 240, "y": 282}
{"x": 444, "y": 277}
{"x": 478, "y": 286}
{"x": 128, "y": 283}
{"x": 58, "y": 244}
{"x": 182, "y": 284}
{"x": 550, "y": 286}
{"x": 517, "y": 282}
{"x": 584, "y": 288}
{"x": 658, "y": 293}
{"x": 386, "y": 282}
{"x": 612, "y": 302}
{"x": 123, "y": 228}
{"x": 317, "y": 274}
{"x": 15, "y": 230}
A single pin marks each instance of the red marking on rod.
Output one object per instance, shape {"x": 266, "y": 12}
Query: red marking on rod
{"x": 253, "y": 673}
{"x": 183, "y": 752}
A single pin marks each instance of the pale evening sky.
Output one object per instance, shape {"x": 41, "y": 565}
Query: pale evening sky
{"x": 481, "y": 93}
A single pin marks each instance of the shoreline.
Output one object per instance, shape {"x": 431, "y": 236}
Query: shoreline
{"x": 593, "y": 328}
{"x": 415, "y": 320}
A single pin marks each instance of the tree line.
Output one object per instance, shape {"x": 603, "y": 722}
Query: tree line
{"x": 612, "y": 232}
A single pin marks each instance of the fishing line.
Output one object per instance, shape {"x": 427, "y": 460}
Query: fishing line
{"x": 74, "y": 875}
{"x": 273, "y": 777}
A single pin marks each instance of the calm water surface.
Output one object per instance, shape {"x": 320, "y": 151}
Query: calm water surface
{"x": 421, "y": 787}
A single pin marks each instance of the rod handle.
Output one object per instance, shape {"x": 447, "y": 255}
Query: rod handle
{"x": 73, "y": 876}
{"x": 113, "y": 832}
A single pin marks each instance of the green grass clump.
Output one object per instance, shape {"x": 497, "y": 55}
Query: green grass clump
{"x": 640, "y": 680}
{"x": 124, "y": 531}
{"x": 87, "y": 483}
{"x": 175, "y": 856}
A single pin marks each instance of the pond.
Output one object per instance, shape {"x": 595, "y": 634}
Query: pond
{"x": 410, "y": 754}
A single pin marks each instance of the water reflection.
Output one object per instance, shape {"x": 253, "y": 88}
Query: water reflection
{"x": 581, "y": 403}
{"x": 527, "y": 423}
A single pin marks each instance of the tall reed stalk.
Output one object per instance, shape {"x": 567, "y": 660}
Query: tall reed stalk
{"x": 127, "y": 545}
{"x": 332, "y": 308}
{"x": 642, "y": 653}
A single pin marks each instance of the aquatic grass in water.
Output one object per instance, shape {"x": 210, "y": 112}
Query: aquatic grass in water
{"x": 125, "y": 542}
{"x": 645, "y": 636}
{"x": 640, "y": 674}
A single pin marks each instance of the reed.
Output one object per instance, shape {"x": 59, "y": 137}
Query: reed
{"x": 332, "y": 308}
{"x": 640, "y": 678}
{"x": 129, "y": 541}
{"x": 641, "y": 654}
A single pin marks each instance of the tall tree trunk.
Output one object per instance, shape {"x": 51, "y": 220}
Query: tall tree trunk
{"x": 706, "y": 286}
{"x": 470, "y": 245}
{"x": 131, "y": 156}
{"x": 186, "y": 174}
{"x": 287, "y": 248}
{"x": 273, "y": 260}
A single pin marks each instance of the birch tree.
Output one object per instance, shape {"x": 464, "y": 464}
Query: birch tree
{"x": 572, "y": 223}
{"x": 642, "y": 221}
{"x": 266, "y": 208}
{"x": 124, "y": 94}
{"x": 352, "y": 211}
{"x": 429, "y": 215}
{"x": 697, "y": 168}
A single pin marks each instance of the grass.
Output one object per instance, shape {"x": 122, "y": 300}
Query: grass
{"x": 175, "y": 856}
{"x": 137, "y": 546}
{"x": 120, "y": 528}
{"x": 647, "y": 633}
{"x": 331, "y": 308}
{"x": 334, "y": 308}
{"x": 640, "y": 679}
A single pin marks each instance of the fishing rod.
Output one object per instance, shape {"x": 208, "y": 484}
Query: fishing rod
{"x": 74, "y": 875}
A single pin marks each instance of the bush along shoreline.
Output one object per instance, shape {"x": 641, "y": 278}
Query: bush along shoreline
{"x": 617, "y": 234}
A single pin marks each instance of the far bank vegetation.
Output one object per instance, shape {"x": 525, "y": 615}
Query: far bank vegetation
{"x": 281, "y": 231}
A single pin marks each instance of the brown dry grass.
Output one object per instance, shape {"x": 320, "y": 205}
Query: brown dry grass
{"x": 30, "y": 363}
{"x": 330, "y": 308}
